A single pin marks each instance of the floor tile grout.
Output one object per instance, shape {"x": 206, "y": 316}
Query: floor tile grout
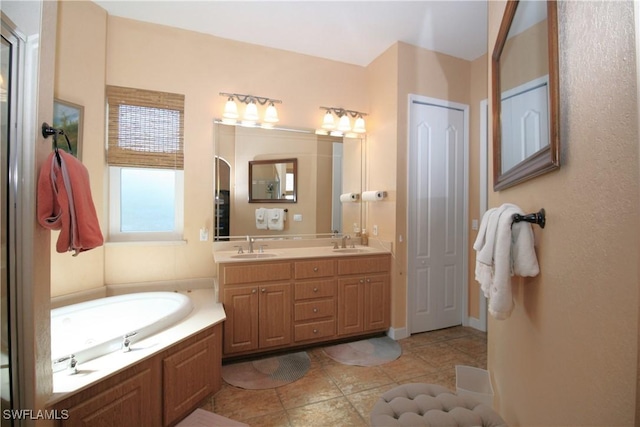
{"x": 437, "y": 345}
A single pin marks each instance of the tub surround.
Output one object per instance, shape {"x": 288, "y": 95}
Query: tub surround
{"x": 205, "y": 314}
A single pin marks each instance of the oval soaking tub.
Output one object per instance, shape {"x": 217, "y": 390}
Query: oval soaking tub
{"x": 94, "y": 328}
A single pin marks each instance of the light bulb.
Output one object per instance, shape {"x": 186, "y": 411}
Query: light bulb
{"x": 251, "y": 112}
{"x": 271, "y": 115}
{"x": 327, "y": 122}
{"x": 344, "y": 124}
{"x": 230, "y": 109}
{"x": 359, "y": 125}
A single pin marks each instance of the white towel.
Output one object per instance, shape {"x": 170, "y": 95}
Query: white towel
{"x": 276, "y": 219}
{"x": 261, "y": 219}
{"x": 512, "y": 253}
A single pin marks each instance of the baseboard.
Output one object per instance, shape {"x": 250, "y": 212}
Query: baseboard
{"x": 476, "y": 324}
{"x": 397, "y": 333}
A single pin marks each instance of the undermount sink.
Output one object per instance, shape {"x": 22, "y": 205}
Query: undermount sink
{"x": 351, "y": 250}
{"x": 254, "y": 256}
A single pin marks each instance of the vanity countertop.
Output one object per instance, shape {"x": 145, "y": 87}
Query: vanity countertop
{"x": 283, "y": 253}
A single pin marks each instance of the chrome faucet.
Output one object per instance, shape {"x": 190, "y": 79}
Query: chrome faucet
{"x": 126, "y": 343}
{"x": 344, "y": 240}
{"x": 72, "y": 363}
{"x": 250, "y": 240}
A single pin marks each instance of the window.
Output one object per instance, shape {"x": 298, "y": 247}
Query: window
{"x": 145, "y": 157}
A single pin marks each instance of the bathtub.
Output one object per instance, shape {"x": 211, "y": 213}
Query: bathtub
{"x": 94, "y": 328}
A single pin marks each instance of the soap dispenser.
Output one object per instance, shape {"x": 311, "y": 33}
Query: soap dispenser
{"x": 364, "y": 238}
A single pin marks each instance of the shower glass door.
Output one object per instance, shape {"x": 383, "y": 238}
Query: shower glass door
{"x": 8, "y": 71}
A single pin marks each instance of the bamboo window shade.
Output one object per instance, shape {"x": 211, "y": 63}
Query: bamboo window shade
{"x": 145, "y": 128}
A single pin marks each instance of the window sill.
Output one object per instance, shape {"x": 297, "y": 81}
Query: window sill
{"x": 146, "y": 243}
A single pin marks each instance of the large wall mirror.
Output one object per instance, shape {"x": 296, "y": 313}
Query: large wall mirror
{"x": 526, "y": 140}
{"x": 252, "y": 166}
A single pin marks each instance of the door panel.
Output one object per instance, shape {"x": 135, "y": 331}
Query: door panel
{"x": 437, "y": 198}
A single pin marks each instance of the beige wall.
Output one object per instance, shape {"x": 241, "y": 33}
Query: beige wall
{"x": 80, "y": 78}
{"x": 478, "y": 91}
{"x": 568, "y": 353}
{"x": 117, "y": 51}
{"x": 155, "y": 57}
{"x": 402, "y": 70}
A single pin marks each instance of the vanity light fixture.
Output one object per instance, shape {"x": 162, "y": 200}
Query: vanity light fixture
{"x": 251, "y": 115}
{"x": 344, "y": 124}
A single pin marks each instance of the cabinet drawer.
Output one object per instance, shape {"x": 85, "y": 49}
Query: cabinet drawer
{"x": 315, "y": 268}
{"x": 316, "y": 309}
{"x": 263, "y": 272}
{"x": 312, "y": 331}
{"x": 364, "y": 265}
{"x": 315, "y": 289}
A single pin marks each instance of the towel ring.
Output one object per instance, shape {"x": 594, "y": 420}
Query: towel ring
{"x": 534, "y": 218}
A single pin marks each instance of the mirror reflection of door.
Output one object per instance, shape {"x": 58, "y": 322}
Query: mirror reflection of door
{"x": 222, "y": 200}
{"x": 524, "y": 81}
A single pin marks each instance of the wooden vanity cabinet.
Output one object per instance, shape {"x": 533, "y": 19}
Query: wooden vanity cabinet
{"x": 257, "y": 303}
{"x": 315, "y": 300}
{"x": 282, "y": 304}
{"x": 364, "y": 295}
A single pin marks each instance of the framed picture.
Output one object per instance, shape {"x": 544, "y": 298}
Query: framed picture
{"x": 68, "y": 117}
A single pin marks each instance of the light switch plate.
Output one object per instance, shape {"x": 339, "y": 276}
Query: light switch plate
{"x": 297, "y": 217}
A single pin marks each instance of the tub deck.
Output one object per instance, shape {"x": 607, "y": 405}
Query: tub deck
{"x": 206, "y": 312}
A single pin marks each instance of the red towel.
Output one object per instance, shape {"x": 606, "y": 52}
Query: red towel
{"x": 65, "y": 204}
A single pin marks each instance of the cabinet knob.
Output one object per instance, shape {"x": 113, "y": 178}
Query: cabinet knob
{"x": 253, "y": 291}
{"x": 315, "y": 269}
{"x": 263, "y": 290}
{"x": 368, "y": 280}
{"x": 361, "y": 280}
{"x": 315, "y": 331}
{"x": 315, "y": 289}
{"x": 315, "y": 309}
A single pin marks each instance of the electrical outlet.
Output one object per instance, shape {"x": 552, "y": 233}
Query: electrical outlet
{"x": 375, "y": 230}
{"x": 474, "y": 224}
{"x": 204, "y": 234}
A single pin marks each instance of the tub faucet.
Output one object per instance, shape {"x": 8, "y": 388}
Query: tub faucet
{"x": 126, "y": 343}
{"x": 344, "y": 240}
{"x": 72, "y": 363}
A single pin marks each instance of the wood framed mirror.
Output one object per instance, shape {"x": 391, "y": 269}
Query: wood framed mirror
{"x": 526, "y": 138}
{"x": 273, "y": 181}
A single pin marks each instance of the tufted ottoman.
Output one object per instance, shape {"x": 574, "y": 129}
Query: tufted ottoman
{"x": 422, "y": 404}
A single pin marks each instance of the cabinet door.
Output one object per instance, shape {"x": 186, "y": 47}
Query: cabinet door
{"x": 118, "y": 405}
{"x": 189, "y": 377}
{"x": 350, "y": 305}
{"x": 241, "y": 326}
{"x": 275, "y": 315}
{"x": 377, "y": 307}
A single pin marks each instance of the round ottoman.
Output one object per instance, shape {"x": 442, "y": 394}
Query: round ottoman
{"x": 422, "y": 404}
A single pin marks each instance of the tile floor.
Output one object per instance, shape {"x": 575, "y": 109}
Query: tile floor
{"x": 332, "y": 394}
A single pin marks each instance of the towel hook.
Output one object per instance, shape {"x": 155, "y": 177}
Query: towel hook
{"x": 534, "y": 218}
{"x": 48, "y": 131}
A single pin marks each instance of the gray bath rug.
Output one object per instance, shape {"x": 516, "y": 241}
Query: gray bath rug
{"x": 369, "y": 352}
{"x": 267, "y": 373}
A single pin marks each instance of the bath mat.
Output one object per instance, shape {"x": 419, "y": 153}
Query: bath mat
{"x": 202, "y": 418}
{"x": 267, "y": 373}
{"x": 369, "y": 352}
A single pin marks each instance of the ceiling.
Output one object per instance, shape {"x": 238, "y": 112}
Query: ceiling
{"x": 355, "y": 32}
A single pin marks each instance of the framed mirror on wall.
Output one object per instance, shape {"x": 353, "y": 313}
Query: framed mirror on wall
{"x": 525, "y": 95}
{"x": 273, "y": 181}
